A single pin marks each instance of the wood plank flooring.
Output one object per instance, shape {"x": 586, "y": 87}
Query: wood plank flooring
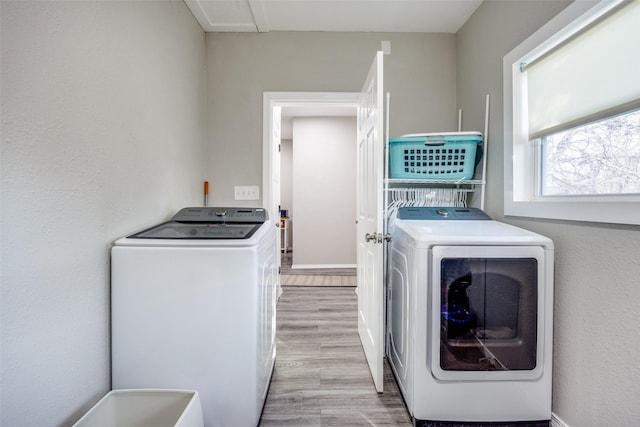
{"x": 321, "y": 377}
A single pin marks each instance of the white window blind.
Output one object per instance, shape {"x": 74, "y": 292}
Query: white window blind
{"x": 594, "y": 74}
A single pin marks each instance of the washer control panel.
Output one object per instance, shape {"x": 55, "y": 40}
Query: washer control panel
{"x": 222, "y": 214}
{"x": 442, "y": 214}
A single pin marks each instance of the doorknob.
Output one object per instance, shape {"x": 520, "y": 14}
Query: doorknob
{"x": 370, "y": 237}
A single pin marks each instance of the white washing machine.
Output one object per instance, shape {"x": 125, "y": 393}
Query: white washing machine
{"x": 469, "y": 318}
{"x": 193, "y": 305}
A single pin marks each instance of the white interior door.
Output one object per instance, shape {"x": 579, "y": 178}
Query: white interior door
{"x": 370, "y": 220}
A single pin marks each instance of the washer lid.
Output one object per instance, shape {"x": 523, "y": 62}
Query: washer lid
{"x": 208, "y": 223}
{"x": 195, "y": 230}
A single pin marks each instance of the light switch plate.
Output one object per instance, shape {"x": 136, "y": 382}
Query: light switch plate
{"x": 247, "y": 192}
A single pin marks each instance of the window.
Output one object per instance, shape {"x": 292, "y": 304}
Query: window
{"x": 572, "y": 117}
{"x": 599, "y": 158}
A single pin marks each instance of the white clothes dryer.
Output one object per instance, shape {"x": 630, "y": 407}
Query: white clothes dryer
{"x": 193, "y": 305}
{"x": 469, "y": 318}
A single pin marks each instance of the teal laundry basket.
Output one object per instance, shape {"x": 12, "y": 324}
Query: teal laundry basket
{"x": 442, "y": 156}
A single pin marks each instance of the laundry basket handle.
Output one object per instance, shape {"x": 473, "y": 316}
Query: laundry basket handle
{"x": 435, "y": 142}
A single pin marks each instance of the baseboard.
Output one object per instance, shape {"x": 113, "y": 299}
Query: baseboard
{"x": 321, "y": 266}
{"x": 557, "y": 422}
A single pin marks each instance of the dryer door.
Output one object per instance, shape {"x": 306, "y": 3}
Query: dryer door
{"x": 487, "y": 312}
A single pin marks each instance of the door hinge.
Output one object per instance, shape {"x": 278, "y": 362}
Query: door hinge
{"x": 377, "y": 237}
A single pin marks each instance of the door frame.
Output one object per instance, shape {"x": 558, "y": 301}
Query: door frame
{"x": 272, "y": 100}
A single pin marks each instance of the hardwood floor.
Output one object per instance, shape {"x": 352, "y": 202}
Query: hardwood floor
{"x": 321, "y": 377}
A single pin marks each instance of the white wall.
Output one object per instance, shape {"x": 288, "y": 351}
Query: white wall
{"x": 420, "y": 74}
{"x": 102, "y": 134}
{"x": 596, "y": 345}
{"x": 324, "y": 192}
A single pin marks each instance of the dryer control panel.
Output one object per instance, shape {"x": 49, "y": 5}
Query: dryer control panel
{"x": 441, "y": 214}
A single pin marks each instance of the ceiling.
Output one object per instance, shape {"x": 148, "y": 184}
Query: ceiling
{"x": 423, "y": 16}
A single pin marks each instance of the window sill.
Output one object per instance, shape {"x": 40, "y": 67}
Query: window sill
{"x": 614, "y": 212}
